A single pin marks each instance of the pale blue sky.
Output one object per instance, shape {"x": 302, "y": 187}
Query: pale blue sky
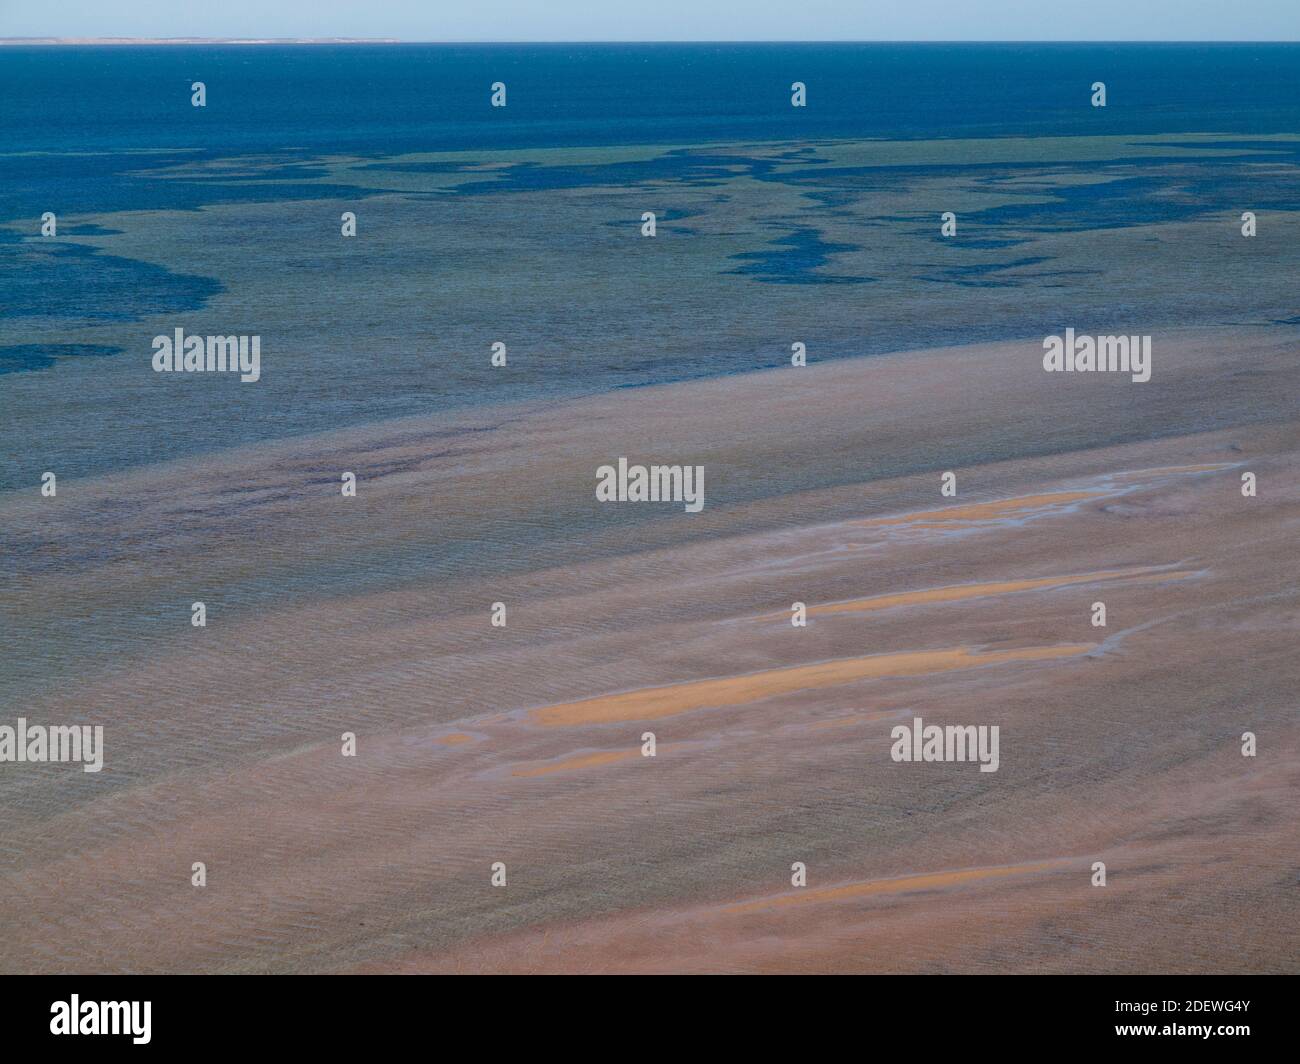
{"x": 660, "y": 20}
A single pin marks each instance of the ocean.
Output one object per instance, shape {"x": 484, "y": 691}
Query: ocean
{"x": 520, "y": 225}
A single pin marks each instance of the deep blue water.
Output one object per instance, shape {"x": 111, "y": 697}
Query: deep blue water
{"x": 405, "y": 98}
{"x": 431, "y": 97}
{"x": 92, "y": 130}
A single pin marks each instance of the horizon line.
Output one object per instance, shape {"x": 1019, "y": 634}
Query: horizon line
{"x": 120, "y": 41}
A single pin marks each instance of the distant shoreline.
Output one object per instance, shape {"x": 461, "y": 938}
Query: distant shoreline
{"x": 82, "y": 41}
{"x": 198, "y": 40}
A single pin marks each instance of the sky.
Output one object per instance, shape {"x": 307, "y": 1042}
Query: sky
{"x": 661, "y": 20}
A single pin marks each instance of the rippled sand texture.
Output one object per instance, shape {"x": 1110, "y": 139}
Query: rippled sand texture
{"x": 523, "y": 745}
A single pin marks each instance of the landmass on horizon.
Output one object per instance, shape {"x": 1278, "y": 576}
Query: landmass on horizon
{"x": 202, "y": 40}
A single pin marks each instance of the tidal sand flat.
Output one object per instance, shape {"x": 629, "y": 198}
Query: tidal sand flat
{"x": 523, "y": 744}
{"x": 477, "y": 716}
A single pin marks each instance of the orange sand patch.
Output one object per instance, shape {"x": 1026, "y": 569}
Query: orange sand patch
{"x": 649, "y": 703}
{"x": 604, "y": 757}
{"x": 455, "y": 739}
{"x": 930, "y": 881}
{"x": 956, "y": 592}
{"x": 987, "y": 511}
